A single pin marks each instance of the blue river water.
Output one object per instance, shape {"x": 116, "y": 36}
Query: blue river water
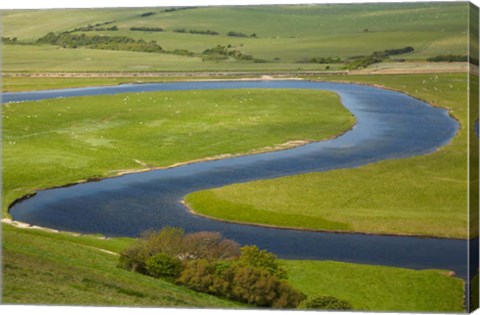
{"x": 390, "y": 125}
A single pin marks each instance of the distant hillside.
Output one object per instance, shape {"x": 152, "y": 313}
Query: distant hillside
{"x": 275, "y": 34}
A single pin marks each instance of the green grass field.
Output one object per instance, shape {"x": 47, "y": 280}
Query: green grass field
{"x": 48, "y": 268}
{"x": 56, "y": 142}
{"x": 425, "y": 195}
{"x": 58, "y": 268}
{"x": 378, "y": 288}
{"x": 285, "y": 35}
{"x": 48, "y": 58}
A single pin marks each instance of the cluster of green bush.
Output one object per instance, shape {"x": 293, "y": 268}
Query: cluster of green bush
{"x": 392, "y": 52}
{"x": 181, "y": 52}
{"x": 95, "y": 27}
{"x": 221, "y": 52}
{"x": 146, "y": 29}
{"x": 178, "y": 9}
{"x": 200, "y": 32}
{"x": 239, "y": 34}
{"x": 321, "y": 60}
{"x": 207, "y": 262}
{"x": 376, "y": 57}
{"x": 448, "y": 58}
{"x": 68, "y": 40}
{"x": 9, "y": 41}
{"x": 147, "y": 14}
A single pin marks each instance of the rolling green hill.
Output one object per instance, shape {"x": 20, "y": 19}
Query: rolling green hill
{"x": 283, "y": 34}
{"x": 48, "y": 268}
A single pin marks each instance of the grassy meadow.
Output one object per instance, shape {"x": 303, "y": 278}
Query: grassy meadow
{"x": 59, "y": 268}
{"x": 49, "y": 268}
{"x": 424, "y": 195}
{"x": 284, "y": 35}
{"x": 378, "y": 288}
{"x": 55, "y": 142}
{"x": 39, "y": 59}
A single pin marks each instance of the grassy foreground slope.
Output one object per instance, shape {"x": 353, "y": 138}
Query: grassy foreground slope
{"x": 284, "y": 34}
{"x": 58, "y": 268}
{"x": 49, "y": 268}
{"x": 424, "y": 195}
{"x": 60, "y": 141}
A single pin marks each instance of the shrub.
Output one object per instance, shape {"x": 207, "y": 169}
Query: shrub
{"x": 8, "y": 40}
{"x": 178, "y": 9}
{"x": 254, "y": 257}
{"x": 146, "y": 29}
{"x": 175, "y": 243}
{"x": 204, "y": 32}
{"x": 133, "y": 258}
{"x": 99, "y": 42}
{"x": 376, "y": 57}
{"x": 259, "y": 287}
{"x": 147, "y": 14}
{"x": 204, "y": 262}
{"x": 182, "y": 52}
{"x": 221, "y": 53}
{"x": 236, "y": 34}
{"x": 201, "y": 32}
{"x": 210, "y": 245}
{"x": 167, "y": 241}
{"x": 198, "y": 275}
{"x": 162, "y": 265}
{"x": 239, "y": 282}
{"x": 448, "y": 58}
{"x": 325, "y": 303}
{"x": 321, "y": 60}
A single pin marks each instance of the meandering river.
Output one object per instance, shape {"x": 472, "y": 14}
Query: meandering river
{"x": 390, "y": 125}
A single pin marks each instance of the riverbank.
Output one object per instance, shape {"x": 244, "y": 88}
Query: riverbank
{"x": 83, "y": 140}
{"x": 385, "y": 228}
{"x": 424, "y": 195}
{"x": 34, "y": 81}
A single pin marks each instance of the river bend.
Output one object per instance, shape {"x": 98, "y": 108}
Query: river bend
{"x": 390, "y": 125}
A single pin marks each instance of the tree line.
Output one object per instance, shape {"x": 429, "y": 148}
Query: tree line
{"x": 448, "y": 58}
{"x": 240, "y": 34}
{"x": 221, "y": 52}
{"x": 67, "y": 40}
{"x": 321, "y": 60}
{"x": 146, "y": 29}
{"x": 201, "y": 32}
{"x": 376, "y": 57}
{"x": 95, "y": 27}
{"x": 150, "y": 13}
